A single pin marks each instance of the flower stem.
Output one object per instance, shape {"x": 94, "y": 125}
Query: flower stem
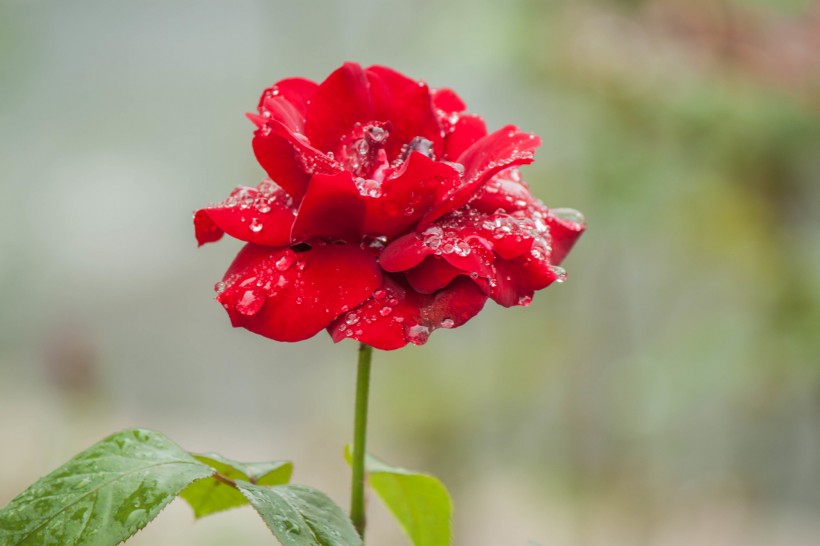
{"x": 357, "y": 513}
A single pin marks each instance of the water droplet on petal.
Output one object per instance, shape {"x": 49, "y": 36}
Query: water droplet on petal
{"x": 255, "y": 225}
{"x": 251, "y": 303}
{"x": 462, "y": 248}
{"x": 560, "y": 273}
{"x": 220, "y": 287}
{"x": 285, "y": 261}
{"x": 377, "y": 134}
{"x": 524, "y": 301}
{"x": 418, "y": 334}
{"x": 386, "y": 310}
{"x": 569, "y": 215}
{"x": 447, "y": 323}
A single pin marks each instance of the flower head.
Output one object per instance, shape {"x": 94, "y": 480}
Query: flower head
{"x": 388, "y": 212}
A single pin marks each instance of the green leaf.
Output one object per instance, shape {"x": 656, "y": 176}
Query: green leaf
{"x": 419, "y": 502}
{"x": 103, "y": 495}
{"x": 214, "y": 495}
{"x": 301, "y": 516}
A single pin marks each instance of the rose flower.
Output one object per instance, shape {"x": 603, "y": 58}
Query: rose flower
{"x": 389, "y": 211}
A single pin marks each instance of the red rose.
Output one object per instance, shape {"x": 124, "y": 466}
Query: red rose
{"x": 389, "y": 212}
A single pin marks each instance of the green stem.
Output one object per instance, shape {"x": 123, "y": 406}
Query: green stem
{"x": 357, "y": 515}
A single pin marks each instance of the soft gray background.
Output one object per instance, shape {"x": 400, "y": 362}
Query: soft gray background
{"x": 667, "y": 394}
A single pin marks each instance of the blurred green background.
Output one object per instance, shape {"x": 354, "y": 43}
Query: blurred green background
{"x": 667, "y": 394}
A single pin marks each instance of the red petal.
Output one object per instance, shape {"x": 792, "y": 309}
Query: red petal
{"x": 432, "y": 274}
{"x": 506, "y": 191}
{"x": 332, "y": 208}
{"x": 456, "y": 240}
{"x": 339, "y": 102}
{"x": 396, "y": 314}
{"x": 466, "y": 130}
{"x": 408, "y": 195}
{"x": 447, "y": 101}
{"x": 515, "y": 281}
{"x": 565, "y": 226}
{"x": 405, "y": 253}
{"x": 290, "y": 296}
{"x": 495, "y": 152}
{"x": 262, "y": 215}
{"x": 407, "y": 105}
{"x": 296, "y": 92}
{"x": 289, "y": 159}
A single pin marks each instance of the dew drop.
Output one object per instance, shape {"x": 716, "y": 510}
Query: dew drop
{"x": 447, "y": 323}
{"x": 285, "y": 261}
{"x": 351, "y": 319}
{"x": 457, "y": 166}
{"x": 524, "y": 301}
{"x": 559, "y": 272}
{"x": 462, "y": 248}
{"x": 250, "y": 304}
{"x": 386, "y": 310}
{"x": 418, "y": 334}
{"x": 255, "y": 225}
{"x": 569, "y": 215}
{"x": 377, "y": 134}
{"x": 220, "y": 287}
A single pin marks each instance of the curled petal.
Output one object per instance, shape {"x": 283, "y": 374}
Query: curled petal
{"x": 341, "y": 101}
{"x": 290, "y": 96}
{"x": 397, "y": 315}
{"x": 505, "y": 191}
{"x": 565, "y": 227}
{"x": 432, "y": 274}
{"x": 447, "y": 101}
{"x": 408, "y": 194}
{"x": 407, "y": 105}
{"x": 262, "y": 215}
{"x": 513, "y": 282}
{"x": 332, "y": 208}
{"x": 341, "y": 207}
{"x": 495, "y": 152}
{"x": 405, "y": 253}
{"x": 457, "y": 242}
{"x": 289, "y": 159}
{"x": 290, "y": 296}
{"x": 465, "y": 130}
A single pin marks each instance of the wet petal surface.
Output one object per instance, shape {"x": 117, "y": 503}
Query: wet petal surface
{"x": 290, "y": 296}
{"x": 262, "y": 215}
{"x": 397, "y": 315}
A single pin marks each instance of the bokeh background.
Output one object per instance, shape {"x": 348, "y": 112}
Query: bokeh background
{"x": 667, "y": 394}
